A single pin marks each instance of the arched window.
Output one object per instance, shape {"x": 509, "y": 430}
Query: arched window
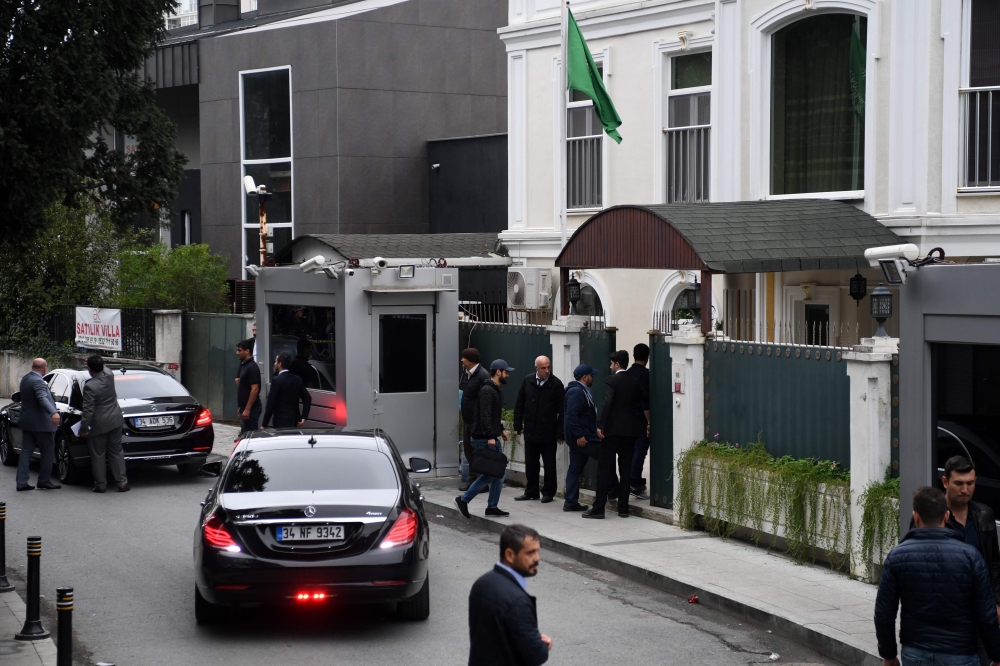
{"x": 818, "y": 105}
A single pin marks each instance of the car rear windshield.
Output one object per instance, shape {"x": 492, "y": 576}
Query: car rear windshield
{"x": 147, "y": 385}
{"x": 310, "y": 469}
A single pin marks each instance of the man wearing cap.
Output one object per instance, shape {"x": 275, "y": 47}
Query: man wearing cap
{"x": 581, "y": 430}
{"x": 488, "y": 431}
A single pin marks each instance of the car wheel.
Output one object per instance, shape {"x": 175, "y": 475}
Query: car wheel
{"x": 190, "y": 469}
{"x": 417, "y": 607}
{"x": 7, "y": 455}
{"x": 65, "y": 465}
{"x": 205, "y": 612}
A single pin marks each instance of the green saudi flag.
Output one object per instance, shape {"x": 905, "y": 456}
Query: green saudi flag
{"x": 582, "y": 75}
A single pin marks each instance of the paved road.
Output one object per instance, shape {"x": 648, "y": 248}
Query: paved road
{"x": 129, "y": 558}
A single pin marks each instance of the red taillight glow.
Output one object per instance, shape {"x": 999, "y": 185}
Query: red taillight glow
{"x": 204, "y": 418}
{"x": 403, "y": 532}
{"x": 217, "y": 536}
{"x": 310, "y": 596}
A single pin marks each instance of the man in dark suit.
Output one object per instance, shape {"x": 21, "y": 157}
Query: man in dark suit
{"x": 640, "y": 354}
{"x": 102, "y": 426}
{"x": 474, "y": 376}
{"x": 618, "y": 430}
{"x": 284, "y": 395}
{"x": 538, "y": 415}
{"x": 503, "y": 619}
{"x": 38, "y": 423}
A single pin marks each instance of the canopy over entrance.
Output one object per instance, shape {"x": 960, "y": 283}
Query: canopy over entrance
{"x": 737, "y": 237}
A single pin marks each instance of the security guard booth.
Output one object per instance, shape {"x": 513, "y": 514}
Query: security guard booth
{"x": 949, "y": 378}
{"x": 375, "y": 343}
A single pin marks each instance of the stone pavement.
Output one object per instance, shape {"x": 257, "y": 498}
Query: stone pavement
{"x": 21, "y": 653}
{"x": 819, "y": 608}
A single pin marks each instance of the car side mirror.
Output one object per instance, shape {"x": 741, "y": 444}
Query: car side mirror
{"x": 419, "y": 466}
{"x": 211, "y": 470}
{"x": 15, "y": 396}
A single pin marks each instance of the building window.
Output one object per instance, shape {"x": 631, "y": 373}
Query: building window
{"x": 584, "y": 147}
{"x": 267, "y": 157}
{"x": 980, "y": 165}
{"x": 818, "y": 105}
{"x": 687, "y": 133}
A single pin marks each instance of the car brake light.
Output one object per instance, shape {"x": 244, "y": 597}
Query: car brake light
{"x": 403, "y": 532}
{"x": 217, "y": 536}
{"x": 204, "y": 418}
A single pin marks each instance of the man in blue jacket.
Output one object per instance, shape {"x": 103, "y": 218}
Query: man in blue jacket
{"x": 580, "y": 422}
{"x": 945, "y": 591}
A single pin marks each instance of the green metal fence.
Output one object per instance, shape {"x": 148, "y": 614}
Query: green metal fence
{"x": 661, "y": 422}
{"x": 794, "y": 397}
{"x": 209, "y": 363}
{"x": 595, "y": 347}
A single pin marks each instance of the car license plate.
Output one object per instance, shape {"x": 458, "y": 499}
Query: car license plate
{"x": 154, "y": 421}
{"x": 309, "y": 533}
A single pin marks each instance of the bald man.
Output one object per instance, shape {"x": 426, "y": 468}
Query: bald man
{"x": 538, "y": 416}
{"x": 38, "y": 423}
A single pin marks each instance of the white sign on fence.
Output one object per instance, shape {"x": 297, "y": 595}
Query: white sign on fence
{"x": 99, "y": 328}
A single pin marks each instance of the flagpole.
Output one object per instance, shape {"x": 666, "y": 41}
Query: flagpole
{"x": 564, "y": 96}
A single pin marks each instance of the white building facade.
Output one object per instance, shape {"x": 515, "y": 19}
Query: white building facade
{"x": 885, "y": 104}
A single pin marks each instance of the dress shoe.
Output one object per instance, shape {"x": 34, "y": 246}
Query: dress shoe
{"x": 495, "y": 511}
{"x": 100, "y": 490}
{"x": 590, "y": 513}
{"x": 575, "y": 507}
{"x": 546, "y": 500}
{"x": 48, "y": 485}
{"x": 525, "y": 496}
{"x": 623, "y": 514}
{"x": 462, "y": 505}
{"x": 464, "y": 486}
{"x": 125, "y": 488}
{"x": 26, "y": 486}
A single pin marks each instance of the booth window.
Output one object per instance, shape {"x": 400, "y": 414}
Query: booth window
{"x": 402, "y": 353}
{"x": 308, "y": 335}
{"x": 818, "y": 105}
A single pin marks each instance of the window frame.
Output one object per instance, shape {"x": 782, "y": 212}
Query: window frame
{"x": 244, "y": 162}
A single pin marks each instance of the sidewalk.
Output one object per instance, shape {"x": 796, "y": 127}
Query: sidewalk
{"x": 821, "y": 609}
{"x": 21, "y": 653}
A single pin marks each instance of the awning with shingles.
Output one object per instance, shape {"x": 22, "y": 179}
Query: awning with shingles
{"x": 738, "y": 237}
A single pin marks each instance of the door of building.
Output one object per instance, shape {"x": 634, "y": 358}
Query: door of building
{"x": 403, "y": 377}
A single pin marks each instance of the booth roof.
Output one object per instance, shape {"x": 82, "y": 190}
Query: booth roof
{"x": 431, "y": 246}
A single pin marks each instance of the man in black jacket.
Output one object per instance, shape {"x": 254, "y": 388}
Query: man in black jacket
{"x": 945, "y": 591}
{"x": 488, "y": 432}
{"x": 618, "y": 430}
{"x": 474, "y": 376}
{"x": 538, "y": 415}
{"x": 284, "y": 395}
{"x": 503, "y": 620}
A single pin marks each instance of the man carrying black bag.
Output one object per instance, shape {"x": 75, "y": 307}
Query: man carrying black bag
{"x": 488, "y": 459}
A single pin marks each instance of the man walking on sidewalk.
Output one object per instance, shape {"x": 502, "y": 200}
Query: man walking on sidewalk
{"x": 487, "y": 432}
{"x": 618, "y": 431}
{"x": 945, "y": 591}
{"x": 38, "y": 424}
{"x": 248, "y": 387}
{"x": 474, "y": 376}
{"x": 639, "y": 370}
{"x": 538, "y": 415}
{"x": 102, "y": 424}
{"x": 503, "y": 618}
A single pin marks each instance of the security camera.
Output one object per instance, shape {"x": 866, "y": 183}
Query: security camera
{"x": 906, "y": 252}
{"x": 313, "y": 265}
{"x": 380, "y": 262}
{"x": 249, "y": 185}
{"x": 252, "y": 270}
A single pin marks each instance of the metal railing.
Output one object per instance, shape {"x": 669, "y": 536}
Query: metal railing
{"x": 584, "y": 181}
{"x": 688, "y": 163}
{"x": 980, "y": 163}
{"x": 138, "y": 331}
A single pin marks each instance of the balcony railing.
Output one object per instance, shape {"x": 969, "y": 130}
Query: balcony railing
{"x": 687, "y": 164}
{"x": 979, "y": 167}
{"x": 583, "y": 172}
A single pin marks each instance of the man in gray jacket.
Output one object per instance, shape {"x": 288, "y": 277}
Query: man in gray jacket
{"x": 102, "y": 426}
{"x": 38, "y": 422}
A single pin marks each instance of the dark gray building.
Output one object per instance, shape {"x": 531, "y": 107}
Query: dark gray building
{"x": 330, "y": 105}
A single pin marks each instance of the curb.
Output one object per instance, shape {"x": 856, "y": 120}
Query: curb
{"x": 840, "y": 649}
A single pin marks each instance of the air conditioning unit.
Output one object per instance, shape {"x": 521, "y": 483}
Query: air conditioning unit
{"x": 528, "y": 288}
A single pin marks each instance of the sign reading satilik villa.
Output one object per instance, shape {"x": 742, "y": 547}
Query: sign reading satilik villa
{"x": 99, "y": 328}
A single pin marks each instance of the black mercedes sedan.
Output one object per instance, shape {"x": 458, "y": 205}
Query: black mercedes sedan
{"x": 310, "y": 518}
{"x": 164, "y": 423}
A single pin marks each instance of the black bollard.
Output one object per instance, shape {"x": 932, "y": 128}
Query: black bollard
{"x": 5, "y": 585}
{"x": 33, "y": 629}
{"x": 64, "y": 626}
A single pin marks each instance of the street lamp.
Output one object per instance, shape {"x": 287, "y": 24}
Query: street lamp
{"x": 572, "y": 293}
{"x": 263, "y": 196}
{"x": 881, "y": 308}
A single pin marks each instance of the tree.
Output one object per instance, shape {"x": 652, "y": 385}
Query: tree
{"x": 68, "y": 72}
